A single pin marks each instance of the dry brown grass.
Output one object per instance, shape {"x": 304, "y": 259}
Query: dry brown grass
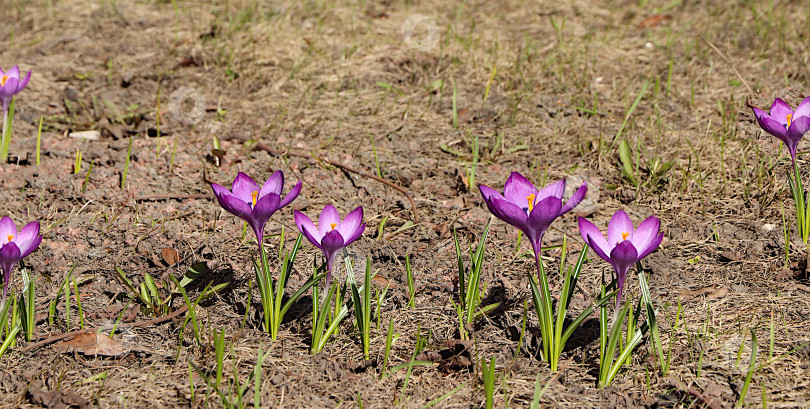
{"x": 324, "y": 76}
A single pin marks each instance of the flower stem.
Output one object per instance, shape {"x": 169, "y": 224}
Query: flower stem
{"x": 544, "y": 311}
{"x": 802, "y": 216}
{"x": 5, "y": 135}
{"x": 270, "y": 323}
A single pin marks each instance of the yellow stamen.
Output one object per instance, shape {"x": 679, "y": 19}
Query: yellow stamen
{"x": 10, "y": 237}
{"x": 530, "y": 199}
{"x": 624, "y": 236}
{"x": 333, "y": 225}
{"x": 254, "y": 195}
{"x": 3, "y": 80}
{"x": 789, "y": 117}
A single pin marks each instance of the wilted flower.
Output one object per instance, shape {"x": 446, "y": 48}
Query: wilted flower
{"x": 785, "y": 123}
{"x": 624, "y": 246}
{"x": 332, "y": 234}
{"x": 531, "y": 210}
{"x": 11, "y": 84}
{"x": 253, "y": 204}
{"x": 15, "y": 246}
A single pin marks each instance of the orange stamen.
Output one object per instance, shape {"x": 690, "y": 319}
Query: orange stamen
{"x": 254, "y": 195}
{"x": 333, "y": 225}
{"x": 10, "y": 237}
{"x": 3, "y": 80}
{"x": 530, "y": 199}
{"x": 789, "y": 117}
{"x": 624, "y": 236}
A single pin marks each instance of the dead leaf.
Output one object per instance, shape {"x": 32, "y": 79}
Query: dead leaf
{"x": 455, "y": 357}
{"x": 91, "y": 344}
{"x": 710, "y": 291}
{"x": 653, "y": 20}
{"x": 218, "y": 156}
{"x": 718, "y": 293}
{"x": 713, "y": 402}
{"x": 382, "y": 282}
{"x": 803, "y": 288}
{"x": 729, "y": 256}
{"x": 57, "y": 399}
{"x": 170, "y": 256}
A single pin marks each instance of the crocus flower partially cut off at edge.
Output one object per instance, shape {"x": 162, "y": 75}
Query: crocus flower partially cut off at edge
{"x": 332, "y": 234}
{"x": 11, "y": 84}
{"x": 530, "y": 209}
{"x": 15, "y": 246}
{"x": 253, "y": 204}
{"x": 785, "y": 123}
{"x": 624, "y": 245}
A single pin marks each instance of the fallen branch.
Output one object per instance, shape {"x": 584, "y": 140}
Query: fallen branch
{"x": 158, "y": 198}
{"x": 728, "y": 61}
{"x": 276, "y": 152}
{"x": 143, "y": 323}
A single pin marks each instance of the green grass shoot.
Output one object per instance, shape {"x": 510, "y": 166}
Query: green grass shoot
{"x": 39, "y": 138}
{"x": 126, "y": 165}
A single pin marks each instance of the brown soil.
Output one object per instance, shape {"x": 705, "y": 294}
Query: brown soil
{"x": 314, "y": 82}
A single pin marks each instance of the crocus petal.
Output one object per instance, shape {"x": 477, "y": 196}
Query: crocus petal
{"x": 33, "y": 245}
{"x": 575, "y": 199}
{"x": 274, "y": 184}
{"x": 311, "y": 234}
{"x": 803, "y": 109}
{"x": 28, "y": 240}
{"x": 24, "y": 82}
{"x": 652, "y": 246}
{"x": 219, "y": 190}
{"x": 355, "y": 234}
{"x": 9, "y": 89}
{"x": 543, "y": 214}
{"x": 244, "y": 187}
{"x": 619, "y": 225}
{"x": 770, "y": 125}
{"x": 14, "y": 72}
{"x": 235, "y": 205}
{"x": 594, "y": 237}
{"x": 556, "y": 189}
{"x": 7, "y": 228}
{"x": 798, "y": 127}
{"x": 351, "y": 222}
{"x": 265, "y": 208}
{"x": 329, "y": 218}
{"x": 487, "y": 193}
{"x": 623, "y": 256}
{"x": 291, "y": 195}
{"x": 9, "y": 256}
{"x": 307, "y": 228}
{"x": 620, "y": 257}
{"x": 509, "y": 213}
{"x": 646, "y": 233}
{"x": 303, "y": 223}
{"x": 332, "y": 242}
{"x": 518, "y": 190}
{"x": 780, "y": 111}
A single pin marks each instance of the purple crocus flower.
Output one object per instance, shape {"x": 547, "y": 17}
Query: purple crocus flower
{"x": 253, "y": 204}
{"x": 332, "y": 234}
{"x": 531, "y": 210}
{"x": 785, "y": 123}
{"x": 15, "y": 246}
{"x": 624, "y": 246}
{"x": 11, "y": 84}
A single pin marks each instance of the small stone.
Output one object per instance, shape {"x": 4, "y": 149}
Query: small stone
{"x": 89, "y": 135}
